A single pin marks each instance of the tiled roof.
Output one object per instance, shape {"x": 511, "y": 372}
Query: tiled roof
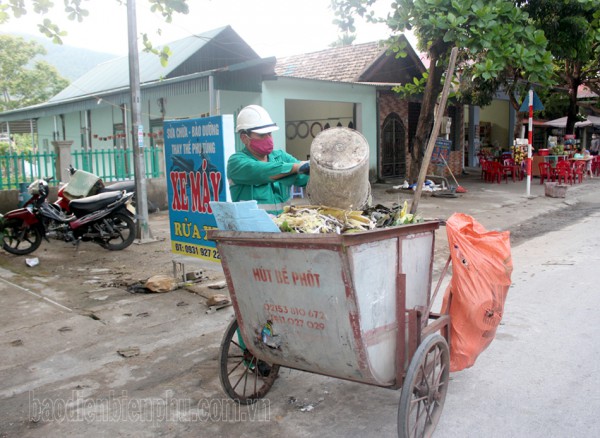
{"x": 368, "y": 62}
{"x": 343, "y": 64}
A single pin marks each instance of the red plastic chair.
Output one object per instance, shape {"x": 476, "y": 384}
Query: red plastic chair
{"x": 494, "y": 172}
{"x": 483, "y": 163}
{"x": 546, "y": 172}
{"x": 596, "y": 165}
{"x": 579, "y": 171}
{"x": 564, "y": 172}
{"x": 510, "y": 168}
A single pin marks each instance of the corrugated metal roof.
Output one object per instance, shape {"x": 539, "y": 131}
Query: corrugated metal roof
{"x": 245, "y": 76}
{"x": 114, "y": 74}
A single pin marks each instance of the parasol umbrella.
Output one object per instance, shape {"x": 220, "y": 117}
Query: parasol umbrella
{"x": 562, "y": 122}
{"x": 537, "y": 103}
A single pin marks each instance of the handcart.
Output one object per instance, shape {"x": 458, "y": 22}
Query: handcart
{"x": 352, "y": 306}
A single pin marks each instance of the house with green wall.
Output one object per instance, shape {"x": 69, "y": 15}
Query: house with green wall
{"x": 216, "y": 72}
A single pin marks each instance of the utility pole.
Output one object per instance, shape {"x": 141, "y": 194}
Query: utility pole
{"x": 143, "y": 228}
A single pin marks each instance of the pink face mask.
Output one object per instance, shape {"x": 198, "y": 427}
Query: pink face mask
{"x": 262, "y": 146}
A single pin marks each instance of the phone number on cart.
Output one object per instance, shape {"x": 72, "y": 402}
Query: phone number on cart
{"x": 296, "y": 316}
{"x": 196, "y": 250}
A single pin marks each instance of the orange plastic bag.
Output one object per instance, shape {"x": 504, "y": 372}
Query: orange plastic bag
{"x": 482, "y": 266}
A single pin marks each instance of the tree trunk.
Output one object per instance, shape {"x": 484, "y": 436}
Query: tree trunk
{"x": 518, "y": 116}
{"x": 430, "y": 95}
{"x": 574, "y": 83}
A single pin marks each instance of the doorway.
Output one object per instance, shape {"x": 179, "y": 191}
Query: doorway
{"x": 393, "y": 141}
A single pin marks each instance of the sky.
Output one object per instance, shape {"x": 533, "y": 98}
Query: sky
{"x": 271, "y": 27}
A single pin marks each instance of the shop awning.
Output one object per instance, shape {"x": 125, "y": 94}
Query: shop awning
{"x": 562, "y": 122}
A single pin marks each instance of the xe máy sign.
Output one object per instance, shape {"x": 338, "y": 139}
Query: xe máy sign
{"x": 196, "y": 153}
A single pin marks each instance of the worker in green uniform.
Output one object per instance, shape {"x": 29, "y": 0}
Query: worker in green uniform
{"x": 258, "y": 172}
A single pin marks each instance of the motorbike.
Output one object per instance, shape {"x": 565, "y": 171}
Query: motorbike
{"x": 83, "y": 184}
{"x": 104, "y": 219}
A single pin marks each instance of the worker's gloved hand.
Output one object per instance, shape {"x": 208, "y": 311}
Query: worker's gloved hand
{"x": 305, "y": 168}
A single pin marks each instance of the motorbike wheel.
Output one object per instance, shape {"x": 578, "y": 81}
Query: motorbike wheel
{"x": 122, "y": 234}
{"x": 20, "y": 239}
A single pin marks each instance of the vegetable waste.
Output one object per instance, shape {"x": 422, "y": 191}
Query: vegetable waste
{"x": 322, "y": 219}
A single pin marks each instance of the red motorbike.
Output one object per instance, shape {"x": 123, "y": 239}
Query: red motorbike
{"x": 83, "y": 184}
{"x": 103, "y": 219}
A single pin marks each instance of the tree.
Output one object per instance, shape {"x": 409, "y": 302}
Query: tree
{"x": 497, "y": 46}
{"x": 345, "y": 39}
{"x": 21, "y": 84}
{"x": 572, "y": 28}
{"x": 74, "y": 10}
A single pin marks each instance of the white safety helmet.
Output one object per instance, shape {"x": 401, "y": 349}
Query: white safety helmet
{"x": 256, "y": 119}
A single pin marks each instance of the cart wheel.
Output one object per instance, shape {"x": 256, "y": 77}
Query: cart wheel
{"x": 244, "y": 378}
{"x": 424, "y": 389}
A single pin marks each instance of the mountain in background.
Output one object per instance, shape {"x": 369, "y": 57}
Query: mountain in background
{"x": 71, "y": 62}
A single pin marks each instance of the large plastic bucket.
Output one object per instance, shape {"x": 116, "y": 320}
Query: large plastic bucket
{"x": 339, "y": 169}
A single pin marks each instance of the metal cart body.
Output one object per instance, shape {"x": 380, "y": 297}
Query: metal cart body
{"x": 351, "y": 306}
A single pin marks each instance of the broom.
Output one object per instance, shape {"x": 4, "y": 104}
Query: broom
{"x": 459, "y": 188}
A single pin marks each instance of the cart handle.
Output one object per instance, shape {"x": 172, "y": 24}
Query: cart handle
{"x": 439, "y": 284}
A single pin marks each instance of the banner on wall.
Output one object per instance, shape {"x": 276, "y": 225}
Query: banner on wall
{"x": 441, "y": 152}
{"x": 196, "y": 153}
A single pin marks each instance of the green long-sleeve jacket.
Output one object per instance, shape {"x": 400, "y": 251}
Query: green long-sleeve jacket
{"x": 250, "y": 179}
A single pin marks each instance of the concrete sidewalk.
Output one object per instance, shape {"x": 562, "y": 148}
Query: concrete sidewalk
{"x": 496, "y": 206}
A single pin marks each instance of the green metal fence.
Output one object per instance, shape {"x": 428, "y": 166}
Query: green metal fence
{"x": 117, "y": 164}
{"x": 25, "y": 167}
{"x": 109, "y": 164}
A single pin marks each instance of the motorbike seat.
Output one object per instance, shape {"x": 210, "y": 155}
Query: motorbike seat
{"x": 128, "y": 186}
{"x": 93, "y": 203}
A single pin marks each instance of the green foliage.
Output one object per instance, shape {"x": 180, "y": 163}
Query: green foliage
{"x": 555, "y": 104}
{"x": 497, "y": 44}
{"x": 345, "y": 39}
{"x": 412, "y": 89}
{"x": 20, "y": 84}
{"x": 163, "y": 52}
{"x": 22, "y": 142}
{"x": 4, "y": 147}
{"x": 167, "y": 7}
{"x": 573, "y": 31}
{"x": 73, "y": 9}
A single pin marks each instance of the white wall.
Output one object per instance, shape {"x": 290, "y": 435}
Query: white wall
{"x": 276, "y": 93}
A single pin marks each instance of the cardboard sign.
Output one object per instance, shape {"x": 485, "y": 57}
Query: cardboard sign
{"x": 196, "y": 153}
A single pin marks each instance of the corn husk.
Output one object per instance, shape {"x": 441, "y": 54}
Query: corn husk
{"x": 322, "y": 219}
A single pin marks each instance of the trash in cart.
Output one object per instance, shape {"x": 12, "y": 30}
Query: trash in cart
{"x": 246, "y": 216}
{"x": 322, "y": 219}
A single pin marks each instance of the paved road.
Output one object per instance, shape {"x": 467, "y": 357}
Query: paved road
{"x": 540, "y": 376}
